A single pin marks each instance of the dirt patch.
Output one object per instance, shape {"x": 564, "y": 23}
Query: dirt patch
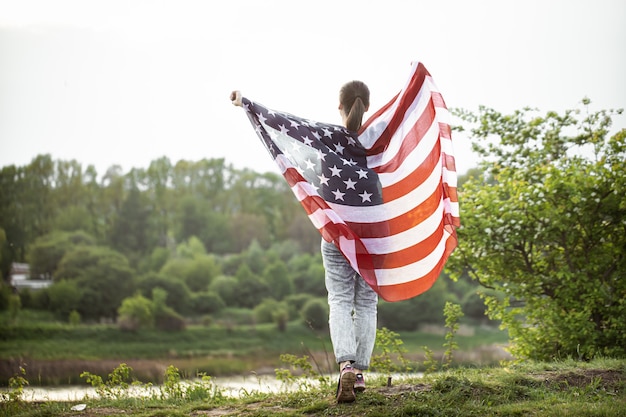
{"x": 608, "y": 379}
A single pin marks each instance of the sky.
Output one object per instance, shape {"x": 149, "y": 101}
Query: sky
{"x": 126, "y": 82}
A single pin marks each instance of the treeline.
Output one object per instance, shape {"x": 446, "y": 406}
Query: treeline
{"x": 161, "y": 245}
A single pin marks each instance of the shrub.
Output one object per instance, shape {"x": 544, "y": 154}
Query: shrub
{"x": 315, "y": 313}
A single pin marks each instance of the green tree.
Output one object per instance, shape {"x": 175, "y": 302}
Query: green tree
{"x": 136, "y": 312}
{"x": 104, "y": 276}
{"x": 424, "y": 309}
{"x": 227, "y": 288}
{"x": 47, "y": 251}
{"x": 546, "y": 228}
{"x": 277, "y": 277}
{"x": 177, "y": 293}
{"x": 315, "y": 313}
{"x": 206, "y": 302}
{"x": 131, "y": 232}
{"x": 64, "y": 297}
{"x": 252, "y": 289}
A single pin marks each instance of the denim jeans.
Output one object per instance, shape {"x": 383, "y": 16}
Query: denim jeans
{"x": 353, "y": 309}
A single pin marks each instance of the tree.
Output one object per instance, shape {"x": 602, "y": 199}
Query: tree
{"x": 278, "y": 279}
{"x": 315, "y": 313}
{"x": 47, "y": 251}
{"x": 252, "y": 289}
{"x": 178, "y": 296}
{"x": 103, "y": 275}
{"x": 64, "y": 297}
{"x": 546, "y": 228}
{"x": 136, "y": 312}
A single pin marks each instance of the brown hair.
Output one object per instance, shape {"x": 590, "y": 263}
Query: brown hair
{"x": 354, "y": 98}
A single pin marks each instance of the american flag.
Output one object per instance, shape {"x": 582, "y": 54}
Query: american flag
{"x": 386, "y": 196}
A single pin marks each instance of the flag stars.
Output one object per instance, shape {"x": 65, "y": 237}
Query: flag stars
{"x": 338, "y": 195}
{"x": 365, "y": 196}
{"x": 339, "y": 149}
{"x": 362, "y": 173}
{"x": 323, "y": 179}
{"x": 351, "y": 140}
{"x": 350, "y": 184}
{"x": 284, "y": 129}
{"x": 336, "y": 172}
{"x": 310, "y": 165}
{"x": 321, "y": 155}
{"x": 307, "y": 141}
{"x": 327, "y": 133}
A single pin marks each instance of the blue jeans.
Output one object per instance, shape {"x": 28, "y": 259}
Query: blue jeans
{"x": 353, "y": 310}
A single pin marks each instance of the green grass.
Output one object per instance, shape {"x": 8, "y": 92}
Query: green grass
{"x": 566, "y": 388}
{"x": 56, "y": 353}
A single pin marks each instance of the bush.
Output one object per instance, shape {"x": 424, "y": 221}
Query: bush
{"x": 295, "y": 302}
{"x": 266, "y": 311}
{"x": 315, "y": 313}
{"x": 169, "y": 320}
{"x": 206, "y": 302}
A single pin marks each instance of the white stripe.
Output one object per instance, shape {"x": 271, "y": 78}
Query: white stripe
{"x": 373, "y": 214}
{"x": 369, "y": 137}
{"x": 413, "y": 159}
{"x": 411, "y": 116}
{"x": 406, "y": 238}
{"x": 415, "y": 270}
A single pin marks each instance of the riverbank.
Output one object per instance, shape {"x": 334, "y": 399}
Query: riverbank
{"x": 56, "y": 354}
{"x": 566, "y": 388}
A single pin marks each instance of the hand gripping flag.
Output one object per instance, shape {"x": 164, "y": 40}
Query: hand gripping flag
{"x": 385, "y": 196}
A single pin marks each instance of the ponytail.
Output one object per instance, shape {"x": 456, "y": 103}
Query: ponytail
{"x": 355, "y": 99}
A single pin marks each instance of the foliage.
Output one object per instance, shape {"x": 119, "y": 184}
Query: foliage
{"x": 315, "y": 313}
{"x": 302, "y": 365}
{"x": 391, "y": 353}
{"x": 136, "y": 312}
{"x": 103, "y": 275}
{"x": 277, "y": 278}
{"x": 409, "y": 314}
{"x": 14, "y": 396}
{"x": 64, "y": 297}
{"x": 545, "y": 227}
{"x": 207, "y": 302}
{"x": 47, "y": 251}
{"x": 547, "y": 389}
{"x": 116, "y": 383}
{"x": 453, "y": 313}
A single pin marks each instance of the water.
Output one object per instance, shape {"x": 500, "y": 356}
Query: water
{"x": 228, "y": 386}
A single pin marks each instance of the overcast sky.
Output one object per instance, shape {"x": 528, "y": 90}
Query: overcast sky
{"x": 126, "y": 82}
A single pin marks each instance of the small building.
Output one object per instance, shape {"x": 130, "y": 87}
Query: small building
{"x": 20, "y": 278}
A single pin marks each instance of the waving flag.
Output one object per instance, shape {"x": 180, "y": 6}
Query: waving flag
{"x": 386, "y": 196}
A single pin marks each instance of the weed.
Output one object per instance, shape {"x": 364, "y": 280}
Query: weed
{"x": 452, "y": 313}
{"x": 390, "y": 345}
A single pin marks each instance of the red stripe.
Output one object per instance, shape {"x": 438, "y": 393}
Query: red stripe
{"x": 401, "y": 222}
{"x": 376, "y": 115}
{"x": 411, "y": 254}
{"x": 415, "y": 85}
{"x": 411, "y": 139}
{"x": 414, "y": 288}
{"x": 417, "y": 177}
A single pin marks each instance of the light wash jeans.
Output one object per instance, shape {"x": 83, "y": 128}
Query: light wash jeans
{"x": 353, "y": 310}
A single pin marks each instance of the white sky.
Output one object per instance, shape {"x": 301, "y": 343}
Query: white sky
{"x": 126, "y": 82}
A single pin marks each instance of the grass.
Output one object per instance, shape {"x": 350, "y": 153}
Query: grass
{"x": 565, "y": 388}
{"x": 56, "y": 353}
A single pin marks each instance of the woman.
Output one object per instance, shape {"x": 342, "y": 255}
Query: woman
{"x": 352, "y": 302}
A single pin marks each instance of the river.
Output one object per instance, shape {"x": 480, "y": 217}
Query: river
{"x": 228, "y": 386}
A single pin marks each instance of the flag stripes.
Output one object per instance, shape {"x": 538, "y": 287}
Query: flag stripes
{"x": 389, "y": 200}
